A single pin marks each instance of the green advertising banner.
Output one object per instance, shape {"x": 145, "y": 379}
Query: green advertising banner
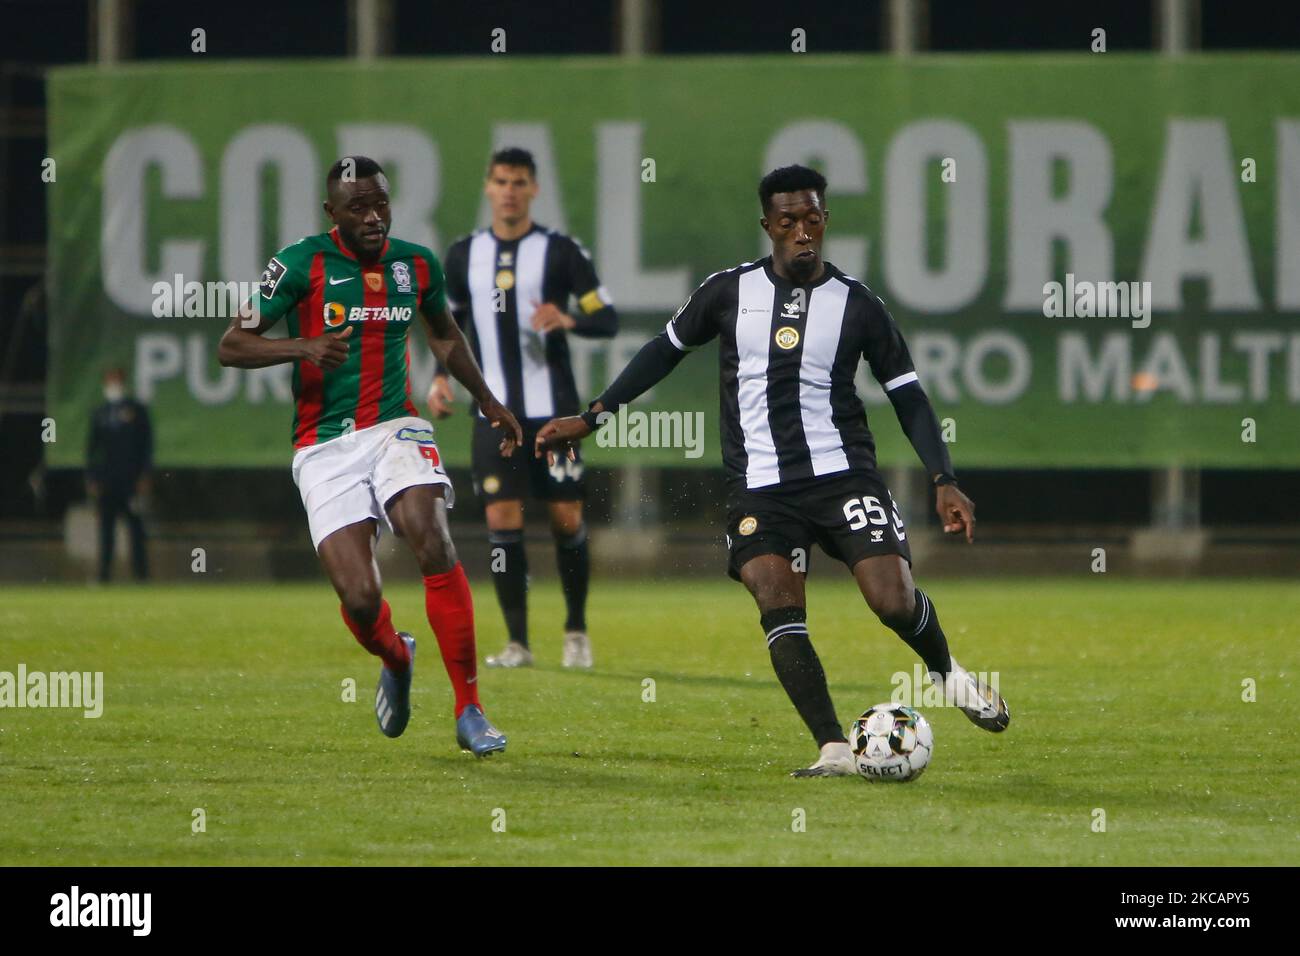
{"x": 1095, "y": 259}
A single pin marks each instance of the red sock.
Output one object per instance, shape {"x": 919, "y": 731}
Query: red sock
{"x": 380, "y": 639}
{"x": 450, "y": 607}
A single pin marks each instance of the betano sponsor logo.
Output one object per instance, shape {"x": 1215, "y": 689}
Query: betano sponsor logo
{"x": 334, "y": 313}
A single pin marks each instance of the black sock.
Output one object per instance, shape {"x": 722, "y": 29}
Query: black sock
{"x": 925, "y": 636}
{"x": 574, "y": 563}
{"x": 800, "y": 671}
{"x": 510, "y": 575}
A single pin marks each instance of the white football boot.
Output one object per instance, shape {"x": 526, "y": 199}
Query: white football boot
{"x": 836, "y": 760}
{"x": 577, "y": 649}
{"x": 513, "y": 654}
{"x": 981, "y": 704}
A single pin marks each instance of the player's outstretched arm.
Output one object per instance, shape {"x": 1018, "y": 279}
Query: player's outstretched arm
{"x": 453, "y": 353}
{"x": 245, "y": 346}
{"x": 650, "y": 366}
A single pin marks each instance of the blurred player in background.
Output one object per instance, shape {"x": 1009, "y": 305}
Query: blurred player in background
{"x": 349, "y": 296}
{"x": 798, "y": 455}
{"x": 119, "y": 457}
{"x": 509, "y": 288}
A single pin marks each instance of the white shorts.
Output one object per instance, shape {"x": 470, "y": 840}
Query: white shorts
{"x": 353, "y": 477}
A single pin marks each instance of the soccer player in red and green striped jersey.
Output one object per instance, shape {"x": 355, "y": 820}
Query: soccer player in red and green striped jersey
{"x": 362, "y": 453}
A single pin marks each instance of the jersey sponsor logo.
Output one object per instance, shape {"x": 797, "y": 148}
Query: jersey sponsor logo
{"x": 505, "y": 279}
{"x": 406, "y": 433}
{"x": 748, "y": 525}
{"x": 380, "y": 313}
{"x": 271, "y": 277}
{"x": 335, "y": 314}
{"x": 402, "y": 276}
{"x": 374, "y": 281}
{"x": 787, "y": 337}
{"x": 341, "y": 281}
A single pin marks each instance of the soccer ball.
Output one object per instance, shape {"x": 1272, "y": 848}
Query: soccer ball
{"x": 891, "y": 742}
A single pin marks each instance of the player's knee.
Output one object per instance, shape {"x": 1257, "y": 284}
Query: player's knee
{"x": 895, "y": 605}
{"x": 568, "y": 530}
{"x": 436, "y": 554}
{"x": 362, "y": 601}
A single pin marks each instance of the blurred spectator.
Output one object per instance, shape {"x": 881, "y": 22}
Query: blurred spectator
{"x": 119, "y": 456}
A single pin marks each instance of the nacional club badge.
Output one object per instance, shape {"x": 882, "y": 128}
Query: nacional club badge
{"x": 748, "y": 525}
{"x": 505, "y": 279}
{"x": 491, "y": 484}
{"x": 334, "y": 314}
{"x": 374, "y": 281}
{"x": 787, "y": 337}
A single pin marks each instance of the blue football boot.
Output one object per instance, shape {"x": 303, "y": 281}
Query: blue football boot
{"x": 475, "y": 734}
{"x": 393, "y": 695}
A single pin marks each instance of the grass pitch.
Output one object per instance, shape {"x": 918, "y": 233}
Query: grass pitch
{"x": 1126, "y": 697}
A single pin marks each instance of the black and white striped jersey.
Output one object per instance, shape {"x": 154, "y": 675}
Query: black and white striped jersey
{"x": 493, "y": 288}
{"x": 788, "y": 355}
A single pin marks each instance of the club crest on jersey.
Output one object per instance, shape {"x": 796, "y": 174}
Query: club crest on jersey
{"x": 335, "y": 314}
{"x": 748, "y": 525}
{"x": 505, "y": 279}
{"x": 402, "y": 276}
{"x": 491, "y": 484}
{"x": 374, "y": 281}
{"x": 787, "y": 338}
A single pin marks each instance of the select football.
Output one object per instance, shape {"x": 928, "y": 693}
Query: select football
{"x": 891, "y": 742}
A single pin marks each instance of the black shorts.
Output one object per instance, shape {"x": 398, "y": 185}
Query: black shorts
{"x": 508, "y": 479}
{"x": 850, "y": 514}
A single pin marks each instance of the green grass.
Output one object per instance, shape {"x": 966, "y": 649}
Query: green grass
{"x": 1125, "y": 696}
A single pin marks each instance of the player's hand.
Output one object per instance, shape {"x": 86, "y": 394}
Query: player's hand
{"x": 440, "y": 396}
{"x": 512, "y": 436}
{"x": 956, "y": 511}
{"x": 547, "y": 317}
{"x": 328, "y": 350}
{"x": 559, "y": 434}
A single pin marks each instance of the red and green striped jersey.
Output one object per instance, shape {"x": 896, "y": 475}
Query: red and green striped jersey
{"x": 319, "y": 286}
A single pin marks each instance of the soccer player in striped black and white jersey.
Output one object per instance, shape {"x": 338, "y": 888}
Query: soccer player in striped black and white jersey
{"x": 798, "y": 455}
{"x": 509, "y": 286}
